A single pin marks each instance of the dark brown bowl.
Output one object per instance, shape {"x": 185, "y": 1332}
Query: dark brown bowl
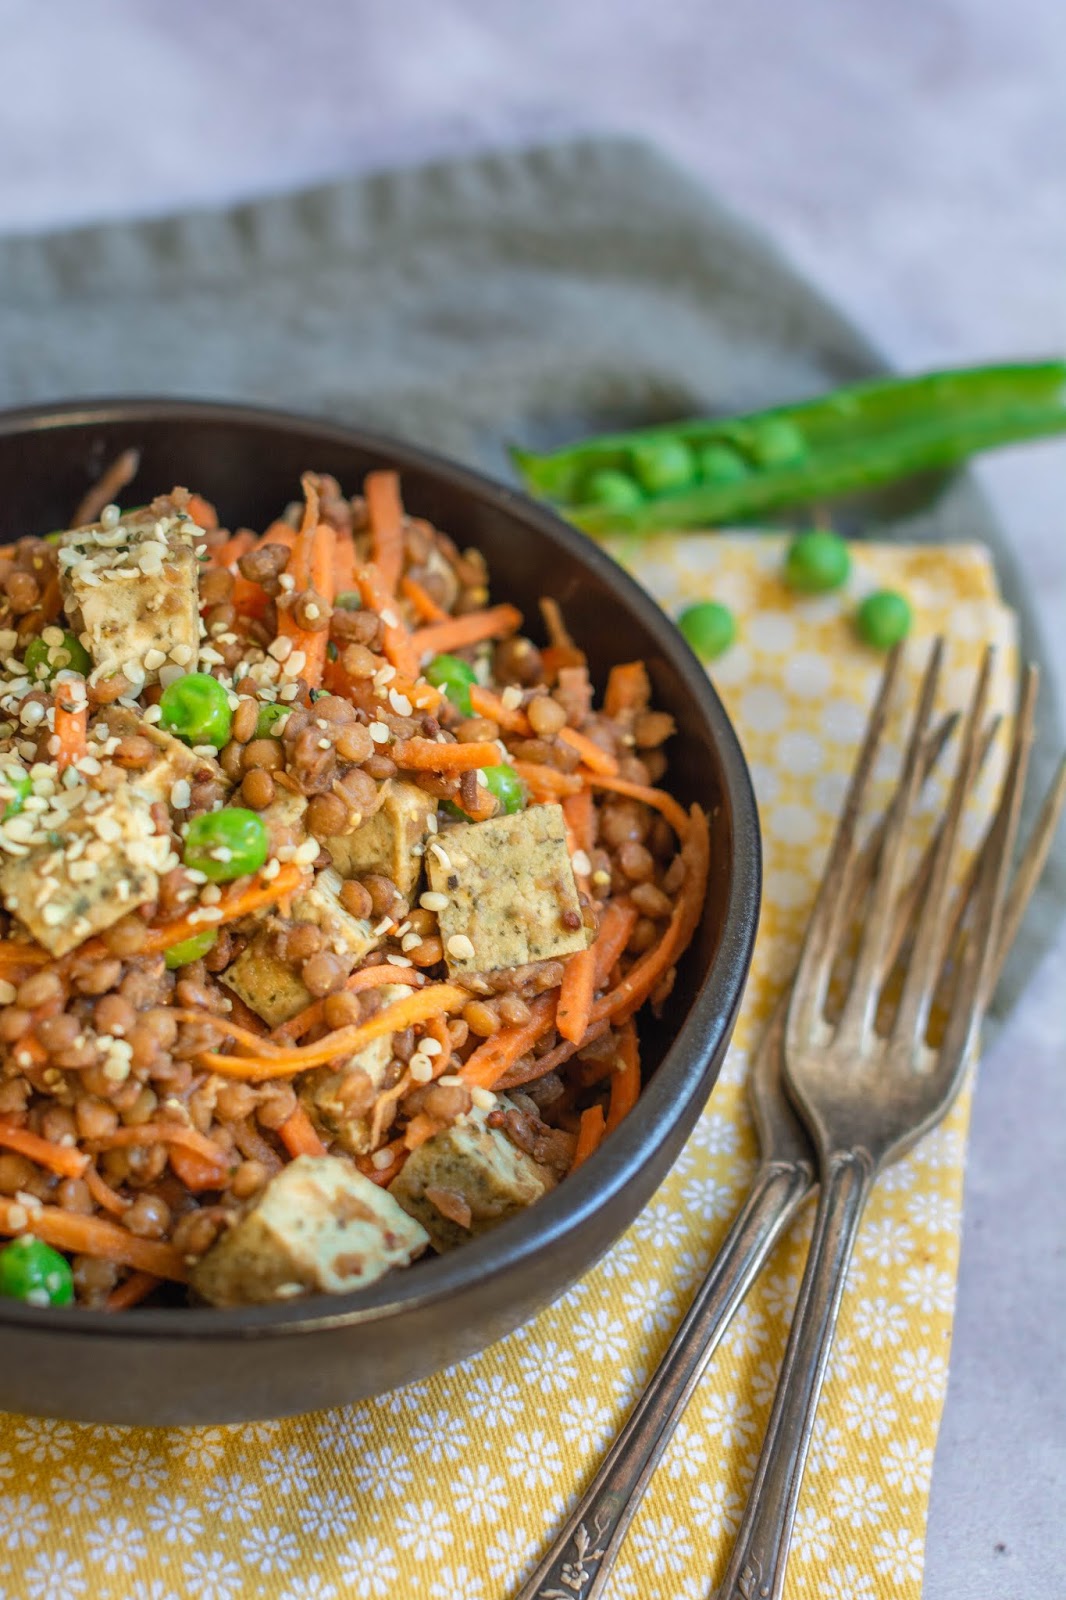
{"x": 185, "y": 1365}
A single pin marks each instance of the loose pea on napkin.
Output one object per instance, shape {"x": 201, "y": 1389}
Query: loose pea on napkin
{"x": 449, "y": 1489}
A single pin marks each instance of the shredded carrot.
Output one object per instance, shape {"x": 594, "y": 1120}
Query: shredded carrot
{"x": 107, "y": 488}
{"x": 491, "y": 1060}
{"x": 231, "y": 1029}
{"x": 419, "y": 1129}
{"x": 65, "y": 1160}
{"x": 30, "y": 1052}
{"x": 575, "y": 995}
{"x": 282, "y": 533}
{"x": 231, "y": 550}
{"x": 344, "y": 563}
{"x": 101, "y": 1191}
{"x": 545, "y": 783}
{"x": 383, "y": 1176}
{"x": 137, "y": 1287}
{"x": 312, "y": 1015}
{"x": 644, "y": 975}
{"x": 628, "y": 689}
{"x": 248, "y": 599}
{"x": 625, "y": 1083}
{"x": 589, "y": 1136}
{"x": 537, "y": 1066}
{"x": 558, "y": 632}
{"x": 425, "y": 607}
{"x": 92, "y": 1236}
{"x": 313, "y": 558}
{"x": 202, "y": 512}
{"x": 458, "y": 633}
{"x": 433, "y": 1000}
{"x": 596, "y": 759}
{"x": 70, "y": 726}
{"x": 297, "y": 1134}
{"x": 612, "y": 936}
{"x": 397, "y": 643}
{"x": 487, "y": 703}
{"x": 426, "y": 755}
{"x": 658, "y": 799}
{"x": 385, "y": 515}
{"x": 14, "y": 955}
{"x": 195, "y": 1171}
{"x": 176, "y": 1133}
{"x": 554, "y": 659}
{"x": 580, "y": 816}
{"x": 232, "y": 906}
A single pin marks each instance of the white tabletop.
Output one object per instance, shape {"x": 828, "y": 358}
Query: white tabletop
{"x": 909, "y": 157}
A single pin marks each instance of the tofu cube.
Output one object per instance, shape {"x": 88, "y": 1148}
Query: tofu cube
{"x": 103, "y": 858}
{"x": 283, "y": 818}
{"x": 270, "y": 986}
{"x": 336, "y": 1115}
{"x": 387, "y": 841}
{"x": 320, "y": 1227}
{"x": 174, "y": 761}
{"x": 132, "y": 594}
{"x": 510, "y": 891}
{"x": 478, "y": 1164}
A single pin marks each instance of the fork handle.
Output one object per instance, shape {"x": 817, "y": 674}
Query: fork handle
{"x": 578, "y": 1562}
{"x": 756, "y": 1569}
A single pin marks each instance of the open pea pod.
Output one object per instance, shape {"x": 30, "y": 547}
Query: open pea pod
{"x": 707, "y": 472}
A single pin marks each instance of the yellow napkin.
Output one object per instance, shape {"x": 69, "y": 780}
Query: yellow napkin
{"x": 448, "y": 1490}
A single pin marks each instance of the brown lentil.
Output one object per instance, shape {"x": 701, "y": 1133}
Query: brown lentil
{"x": 258, "y": 789}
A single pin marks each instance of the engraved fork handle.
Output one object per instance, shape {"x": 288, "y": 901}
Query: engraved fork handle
{"x": 756, "y": 1569}
{"x": 578, "y": 1562}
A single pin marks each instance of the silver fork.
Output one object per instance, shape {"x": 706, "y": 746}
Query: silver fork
{"x": 867, "y": 1098}
{"x": 577, "y": 1564}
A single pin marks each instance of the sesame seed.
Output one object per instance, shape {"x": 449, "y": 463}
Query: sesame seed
{"x": 109, "y": 517}
{"x": 379, "y": 1160}
{"x": 379, "y": 732}
{"x": 432, "y": 823}
{"x": 182, "y": 654}
{"x": 382, "y": 927}
{"x": 450, "y": 1080}
{"x": 431, "y": 1047}
{"x": 420, "y": 1068}
{"x": 511, "y": 697}
{"x": 153, "y": 714}
{"x": 286, "y": 582}
{"x": 389, "y": 618}
{"x": 432, "y": 901}
{"x": 581, "y": 863}
{"x": 281, "y": 648}
{"x": 484, "y": 1099}
{"x": 307, "y": 852}
{"x": 460, "y": 947}
{"x": 410, "y": 941}
{"x": 399, "y": 703}
{"x": 17, "y": 1218}
{"x": 324, "y": 744}
{"x": 154, "y": 659}
{"x": 295, "y": 663}
{"x": 600, "y": 877}
{"x": 398, "y": 961}
{"x": 271, "y": 870}
{"x": 180, "y": 794}
{"x": 441, "y": 854}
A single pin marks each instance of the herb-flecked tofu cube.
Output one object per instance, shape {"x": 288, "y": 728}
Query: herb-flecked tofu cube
{"x": 510, "y": 891}
{"x": 272, "y": 988}
{"x": 173, "y": 766}
{"x": 475, "y": 1164}
{"x": 388, "y": 841}
{"x": 131, "y": 591}
{"x": 339, "y": 1107}
{"x": 319, "y": 1226}
{"x": 99, "y": 860}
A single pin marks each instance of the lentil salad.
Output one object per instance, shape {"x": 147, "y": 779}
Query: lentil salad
{"x": 330, "y": 899}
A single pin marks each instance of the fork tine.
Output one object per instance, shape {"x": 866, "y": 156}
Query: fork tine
{"x": 983, "y": 948}
{"x": 1028, "y": 871}
{"x": 830, "y": 908}
{"x": 914, "y": 894}
{"x": 860, "y": 1005}
{"x": 919, "y": 983}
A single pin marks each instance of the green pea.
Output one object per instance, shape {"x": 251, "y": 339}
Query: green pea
{"x": 43, "y": 660}
{"x": 268, "y": 718}
{"x": 179, "y": 955}
{"x": 454, "y": 677}
{"x": 776, "y": 442}
{"x": 883, "y": 619}
{"x": 611, "y": 488}
{"x": 196, "y": 710}
{"x": 32, "y": 1271}
{"x": 709, "y": 627}
{"x": 720, "y": 465}
{"x": 503, "y": 781}
{"x": 20, "y": 785}
{"x": 349, "y": 600}
{"x": 226, "y": 844}
{"x": 817, "y": 562}
{"x": 662, "y": 466}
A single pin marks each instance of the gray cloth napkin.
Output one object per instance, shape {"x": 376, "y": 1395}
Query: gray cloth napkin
{"x": 527, "y": 296}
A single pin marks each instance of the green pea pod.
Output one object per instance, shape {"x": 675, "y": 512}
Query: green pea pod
{"x": 854, "y": 439}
